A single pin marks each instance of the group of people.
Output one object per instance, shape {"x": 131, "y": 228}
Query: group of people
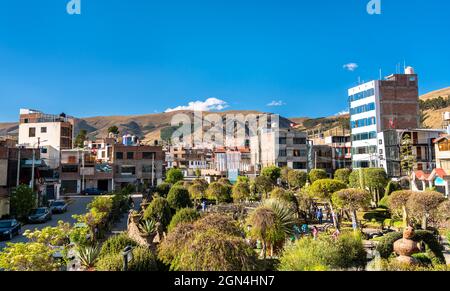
{"x": 322, "y": 214}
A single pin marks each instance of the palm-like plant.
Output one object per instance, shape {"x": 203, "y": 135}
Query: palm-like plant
{"x": 88, "y": 256}
{"x": 272, "y": 223}
{"x": 147, "y": 227}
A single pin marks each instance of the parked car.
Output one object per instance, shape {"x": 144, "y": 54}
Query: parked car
{"x": 9, "y": 228}
{"x": 92, "y": 191}
{"x": 58, "y": 206}
{"x": 40, "y": 215}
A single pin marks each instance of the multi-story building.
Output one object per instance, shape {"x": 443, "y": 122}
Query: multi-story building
{"x": 282, "y": 147}
{"x": 332, "y": 152}
{"x": 381, "y": 105}
{"x": 49, "y": 133}
{"x": 14, "y": 162}
{"x": 188, "y": 160}
{"x": 80, "y": 170}
{"x": 137, "y": 165}
{"x": 102, "y": 148}
{"x": 232, "y": 159}
{"x": 422, "y": 148}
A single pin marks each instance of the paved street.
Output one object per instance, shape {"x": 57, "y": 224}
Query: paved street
{"x": 78, "y": 206}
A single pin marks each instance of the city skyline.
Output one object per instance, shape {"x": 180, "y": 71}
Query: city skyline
{"x": 152, "y": 57}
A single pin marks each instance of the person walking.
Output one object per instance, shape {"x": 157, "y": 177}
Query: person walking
{"x": 203, "y": 205}
{"x": 315, "y": 232}
{"x": 320, "y": 215}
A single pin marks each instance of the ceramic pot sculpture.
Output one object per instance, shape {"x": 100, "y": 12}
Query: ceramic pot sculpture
{"x": 406, "y": 247}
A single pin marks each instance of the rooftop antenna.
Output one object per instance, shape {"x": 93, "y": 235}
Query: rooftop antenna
{"x": 359, "y": 80}
{"x": 381, "y": 75}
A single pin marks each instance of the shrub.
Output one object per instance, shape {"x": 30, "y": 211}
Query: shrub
{"x": 272, "y": 172}
{"x": 224, "y": 181}
{"x": 143, "y": 261}
{"x": 179, "y": 198}
{"x": 281, "y": 194}
{"x": 297, "y": 179}
{"x": 163, "y": 189}
{"x": 386, "y": 245}
{"x": 392, "y": 187}
{"x": 317, "y": 174}
{"x": 102, "y": 204}
{"x": 209, "y": 244}
{"x": 116, "y": 244}
{"x": 343, "y": 175}
{"x": 28, "y": 257}
{"x": 384, "y": 202}
{"x": 159, "y": 210}
{"x": 219, "y": 192}
{"x": 173, "y": 176}
{"x": 241, "y": 191}
{"x": 306, "y": 254}
{"x": 183, "y": 215}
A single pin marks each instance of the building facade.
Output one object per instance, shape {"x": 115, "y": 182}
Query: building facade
{"x": 381, "y": 105}
{"x": 49, "y": 133}
{"x": 282, "y": 147}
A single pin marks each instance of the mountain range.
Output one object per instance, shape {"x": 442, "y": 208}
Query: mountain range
{"x": 152, "y": 126}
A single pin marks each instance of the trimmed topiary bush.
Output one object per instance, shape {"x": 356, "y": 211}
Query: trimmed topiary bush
{"x": 183, "y": 215}
{"x": 178, "y": 198}
{"x": 317, "y": 174}
{"x": 163, "y": 189}
{"x": 159, "y": 211}
{"x": 143, "y": 261}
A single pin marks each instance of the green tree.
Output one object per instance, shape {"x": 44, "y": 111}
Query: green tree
{"x": 317, "y": 174}
{"x": 178, "y": 198}
{"x": 352, "y": 200}
{"x": 397, "y": 202}
{"x": 407, "y": 158}
{"x": 174, "y": 175}
{"x": 297, "y": 179}
{"x": 197, "y": 190}
{"x": 163, "y": 189}
{"x": 53, "y": 236}
{"x": 263, "y": 185}
{"x": 325, "y": 189}
{"x": 32, "y": 256}
{"x": 271, "y": 172}
{"x": 80, "y": 139}
{"x": 343, "y": 175}
{"x": 423, "y": 206}
{"x": 22, "y": 201}
{"x": 159, "y": 210}
{"x": 182, "y": 216}
{"x": 241, "y": 192}
{"x": 219, "y": 192}
{"x": 113, "y": 129}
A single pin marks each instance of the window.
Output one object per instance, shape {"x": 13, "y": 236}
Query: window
{"x": 361, "y": 95}
{"x": 282, "y": 153}
{"x": 362, "y": 108}
{"x": 282, "y": 164}
{"x": 380, "y": 142}
{"x": 444, "y": 146}
{"x": 296, "y": 153}
{"x": 32, "y": 132}
{"x": 282, "y": 140}
{"x": 364, "y": 136}
{"x": 130, "y": 155}
{"x": 119, "y": 155}
{"x": 146, "y": 168}
{"x": 69, "y": 168}
{"x": 128, "y": 170}
{"x": 44, "y": 150}
{"x": 299, "y": 140}
{"x": 43, "y": 129}
{"x": 299, "y": 166}
{"x": 148, "y": 155}
{"x": 363, "y": 122}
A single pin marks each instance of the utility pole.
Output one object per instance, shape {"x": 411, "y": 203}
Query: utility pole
{"x": 18, "y": 166}
{"x": 33, "y": 163}
{"x": 153, "y": 169}
{"x": 82, "y": 170}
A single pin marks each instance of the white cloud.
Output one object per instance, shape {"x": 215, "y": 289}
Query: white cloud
{"x": 276, "y": 103}
{"x": 343, "y": 112}
{"x": 351, "y": 66}
{"x": 207, "y": 105}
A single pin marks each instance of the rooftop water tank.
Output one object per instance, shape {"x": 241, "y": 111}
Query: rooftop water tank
{"x": 409, "y": 71}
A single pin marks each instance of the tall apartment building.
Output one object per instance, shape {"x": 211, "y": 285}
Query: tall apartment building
{"x": 50, "y": 133}
{"x": 378, "y": 106}
{"x": 188, "y": 159}
{"x": 332, "y": 152}
{"x": 282, "y": 147}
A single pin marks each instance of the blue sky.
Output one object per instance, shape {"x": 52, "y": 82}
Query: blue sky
{"x": 144, "y": 56}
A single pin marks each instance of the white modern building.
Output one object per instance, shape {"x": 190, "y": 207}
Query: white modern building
{"x": 48, "y": 133}
{"x": 379, "y": 105}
